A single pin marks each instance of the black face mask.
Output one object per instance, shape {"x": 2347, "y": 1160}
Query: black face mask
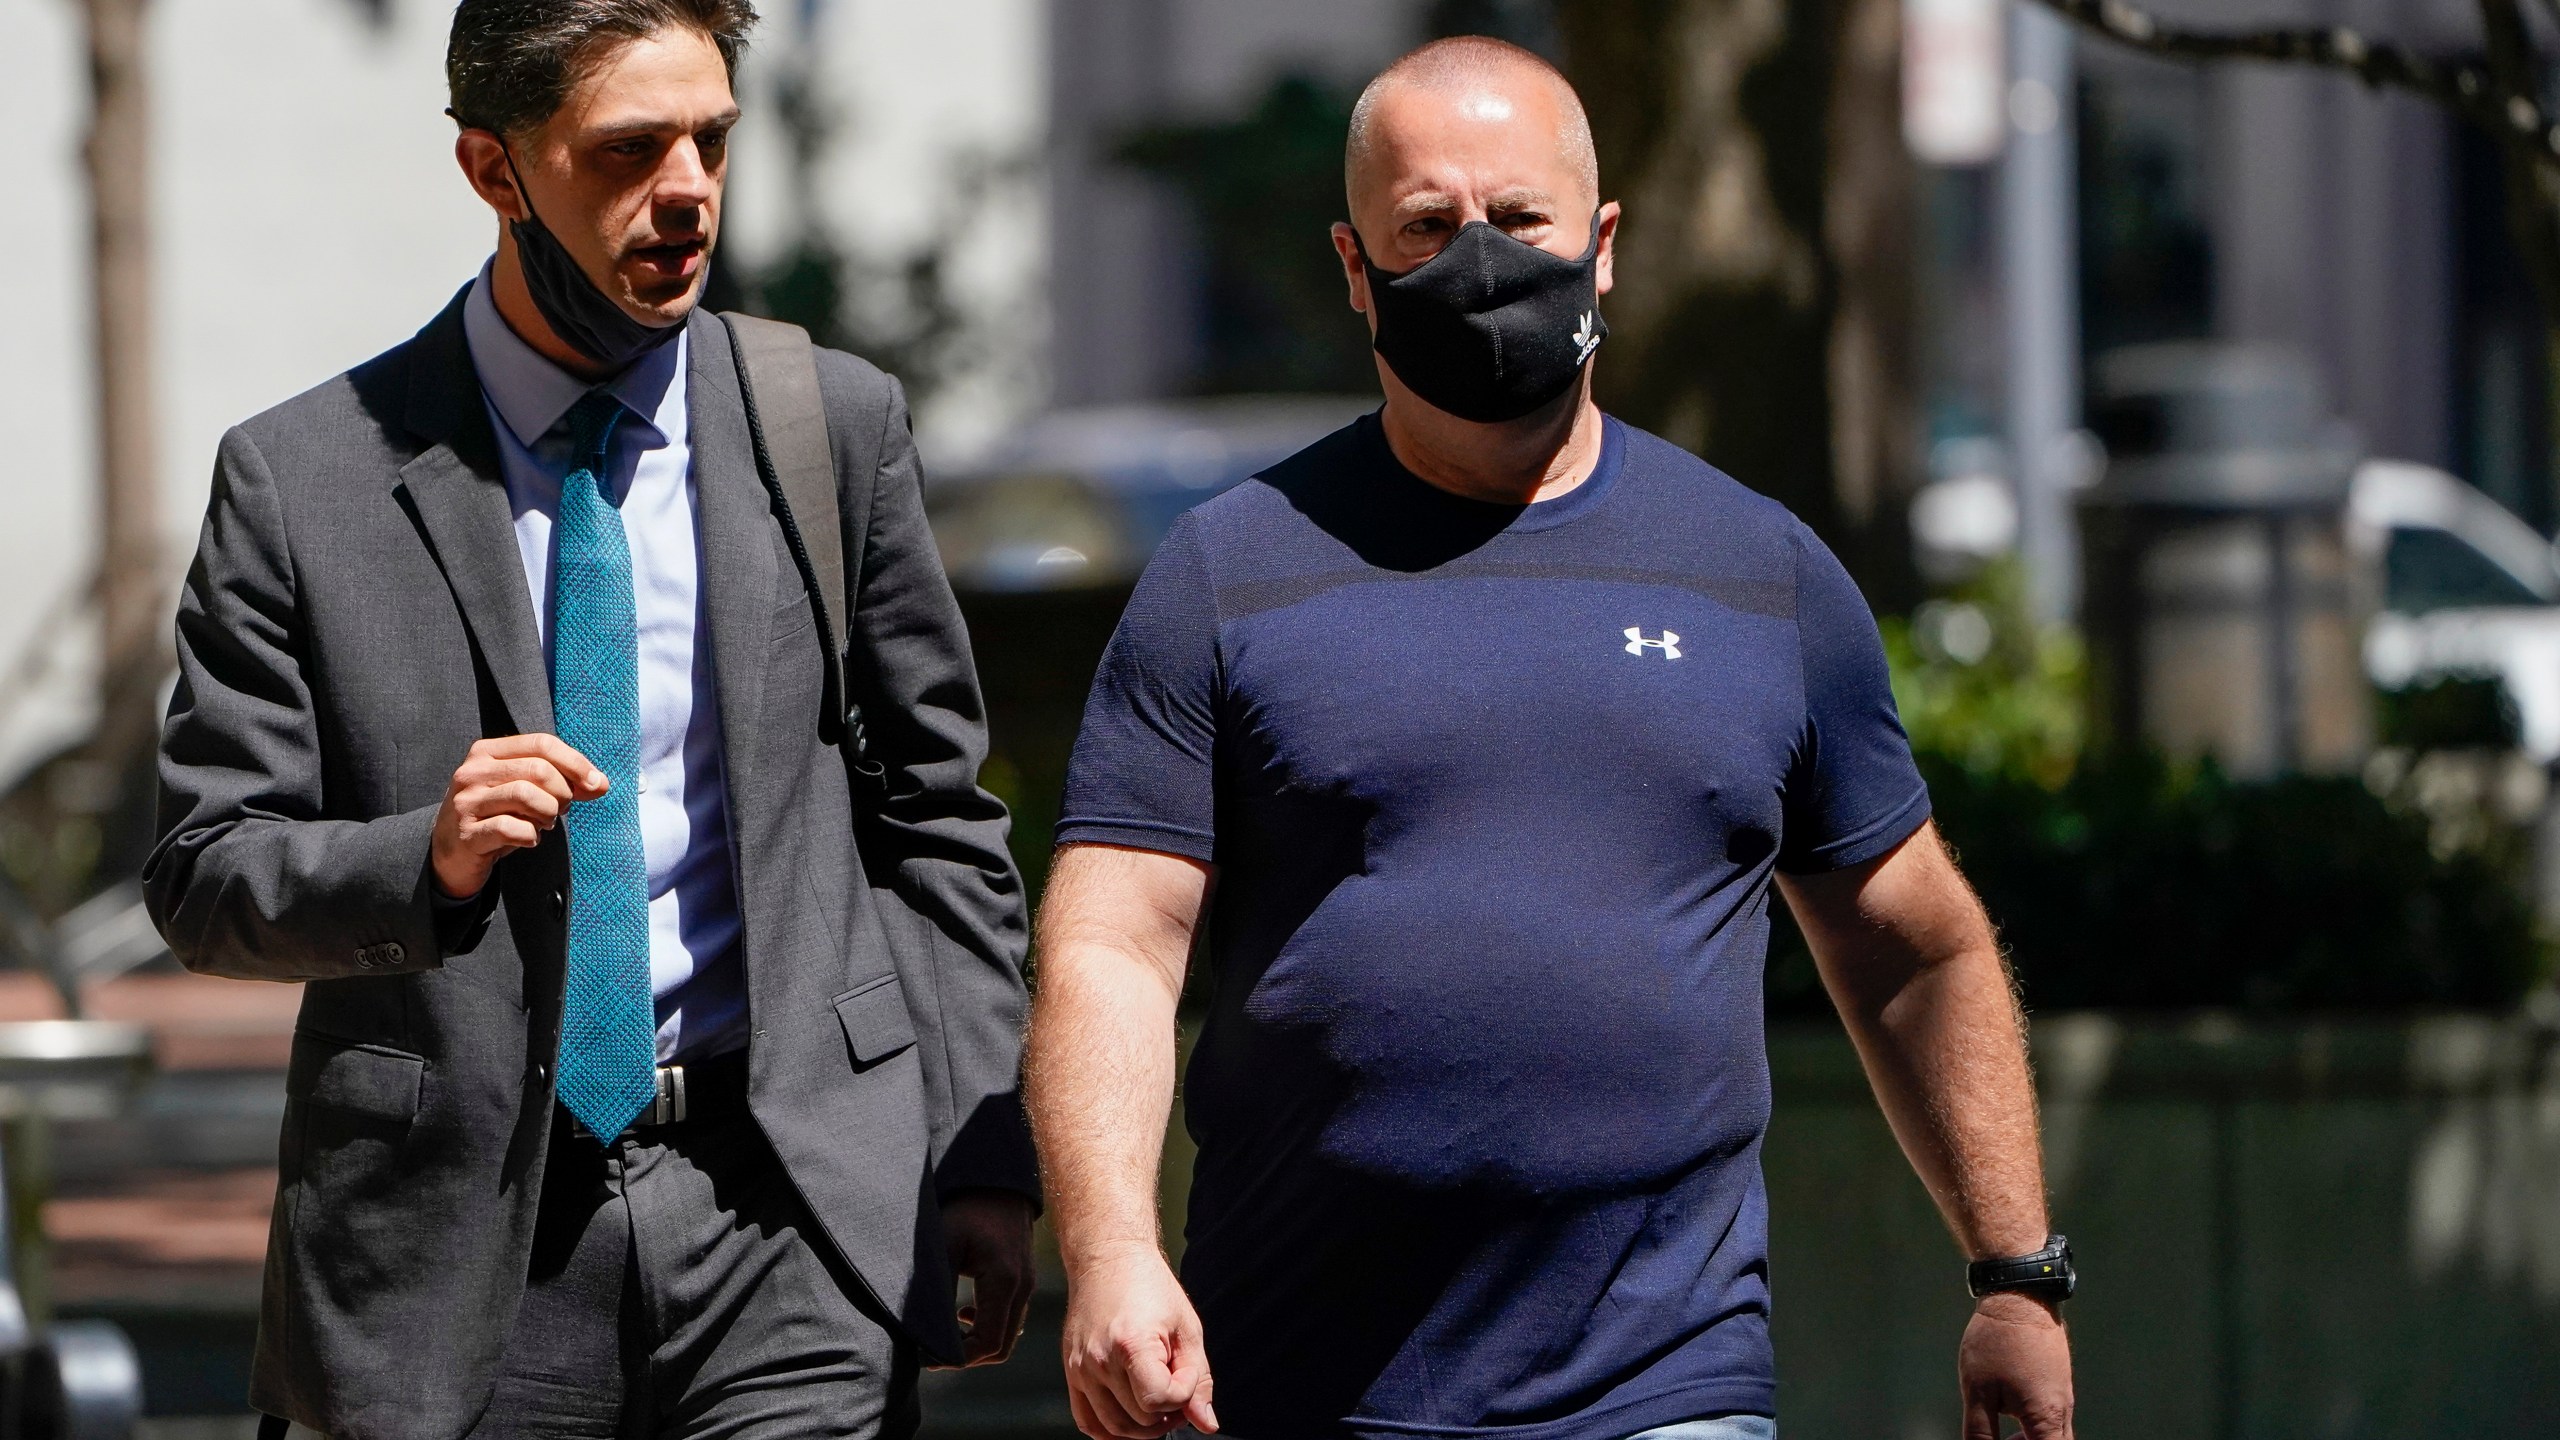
{"x": 578, "y": 312}
{"x": 1490, "y": 328}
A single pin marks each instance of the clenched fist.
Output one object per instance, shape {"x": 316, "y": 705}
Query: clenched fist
{"x": 2016, "y": 1360}
{"x": 505, "y": 794}
{"x": 1136, "y": 1367}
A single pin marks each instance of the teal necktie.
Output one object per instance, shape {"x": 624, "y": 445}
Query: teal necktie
{"x": 608, "y": 1030}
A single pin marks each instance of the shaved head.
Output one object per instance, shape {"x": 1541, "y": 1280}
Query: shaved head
{"x": 1466, "y": 133}
{"x": 1483, "y": 78}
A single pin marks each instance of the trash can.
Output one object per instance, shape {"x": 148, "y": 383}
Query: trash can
{"x": 2225, "y": 605}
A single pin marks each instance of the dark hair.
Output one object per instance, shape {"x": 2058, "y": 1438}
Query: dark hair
{"x": 509, "y": 63}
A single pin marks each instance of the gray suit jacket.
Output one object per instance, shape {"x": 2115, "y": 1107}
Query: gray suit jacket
{"x": 356, "y": 617}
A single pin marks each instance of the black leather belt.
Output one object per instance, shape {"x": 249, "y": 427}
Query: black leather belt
{"x": 697, "y": 1090}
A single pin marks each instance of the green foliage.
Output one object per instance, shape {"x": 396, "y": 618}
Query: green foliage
{"x": 898, "y": 312}
{"x": 2141, "y": 885}
{"x": 1265, "y": 190}
{"x": 2449, "y": 715}
{"x": 805, "y": 286}
{"x": 901, "y": 310}
{"x": 1983, "y": 686}
{"x": 2126, "y": 881}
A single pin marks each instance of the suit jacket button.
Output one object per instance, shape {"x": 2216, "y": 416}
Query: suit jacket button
{"x": 559, "y": 902}
{"x": 541, "y": 1073}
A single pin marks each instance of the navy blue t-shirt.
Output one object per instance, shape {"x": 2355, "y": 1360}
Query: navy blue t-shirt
{"x": 1494, "y": 793}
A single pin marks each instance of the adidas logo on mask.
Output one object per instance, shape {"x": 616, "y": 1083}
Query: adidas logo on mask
{"x": 1586, "y": 338}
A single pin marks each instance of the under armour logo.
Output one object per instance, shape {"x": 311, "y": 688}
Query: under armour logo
{"x": 1585, "y": 339}
{"x": 1669, "y": 644}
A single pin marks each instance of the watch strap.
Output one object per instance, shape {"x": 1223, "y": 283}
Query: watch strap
{"x": 2047, "y": 1273}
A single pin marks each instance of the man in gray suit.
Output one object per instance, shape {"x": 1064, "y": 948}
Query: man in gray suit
{"x": 657, "y": 1069}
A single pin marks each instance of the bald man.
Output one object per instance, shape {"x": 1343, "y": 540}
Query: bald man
{"x": 1481, "y": 730}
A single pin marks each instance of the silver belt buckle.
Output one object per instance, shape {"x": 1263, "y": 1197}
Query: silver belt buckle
{"x": 665, "y": 1109}
{"x": 669, "y": 1107}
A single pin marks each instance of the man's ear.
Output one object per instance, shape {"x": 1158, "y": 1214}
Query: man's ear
{"x": 483, "y": 159}
{"x": 1346, "y": 244}
{"x": 1606, "y": 272}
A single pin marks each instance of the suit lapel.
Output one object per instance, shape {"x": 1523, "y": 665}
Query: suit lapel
{"x": 458, "y": 493}
{"x": 740, "y": 572}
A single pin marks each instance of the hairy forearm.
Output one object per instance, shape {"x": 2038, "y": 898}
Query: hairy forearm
{"x": 1911, "y": 962}
{"x": 1113, "y": 941}
{"x": 1100, "y": 1067}
{"x": 1948, "y": 1061}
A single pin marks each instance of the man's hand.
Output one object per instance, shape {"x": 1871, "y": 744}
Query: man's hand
{"x": 989, "y": 1232}
{"x": 2016, "y": 1361}
{"x": 506, "y": 793}
{"x": 1136, "y": 1367}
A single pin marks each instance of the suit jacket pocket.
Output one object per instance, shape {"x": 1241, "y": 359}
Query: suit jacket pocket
{"x": 370, "y": 1080}
{"x": 876, "y": 1022}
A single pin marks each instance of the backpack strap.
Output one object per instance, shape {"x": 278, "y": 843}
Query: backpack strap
{"x": 787, "y": 422}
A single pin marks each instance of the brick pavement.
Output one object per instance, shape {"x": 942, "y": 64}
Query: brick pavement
{"x": 191, "y": 1239}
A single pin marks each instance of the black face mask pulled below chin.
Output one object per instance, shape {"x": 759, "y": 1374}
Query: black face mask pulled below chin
{"x": 578, "y": 312}
{"x": 1490, "y": 328}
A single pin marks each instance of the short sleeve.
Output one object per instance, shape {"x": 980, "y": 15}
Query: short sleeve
{"x": 1853, "y": 793}
{"x": 1142, "y": 771}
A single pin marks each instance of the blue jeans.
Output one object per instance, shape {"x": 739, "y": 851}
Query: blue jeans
{"x": 1722, "y": 1427}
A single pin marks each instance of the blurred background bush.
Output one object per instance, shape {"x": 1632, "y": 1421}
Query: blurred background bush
{"x": 2132, "y": 881}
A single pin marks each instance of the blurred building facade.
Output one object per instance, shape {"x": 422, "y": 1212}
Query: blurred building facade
{"x": 2261, "y": 203}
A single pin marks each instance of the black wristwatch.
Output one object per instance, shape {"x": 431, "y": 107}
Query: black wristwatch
{"x": 2047, "y": 1274}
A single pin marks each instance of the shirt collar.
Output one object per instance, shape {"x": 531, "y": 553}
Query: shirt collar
{"x": 531, "y": 394}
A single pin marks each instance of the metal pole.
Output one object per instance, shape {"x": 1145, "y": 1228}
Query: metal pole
{"x": 2040, "y": 264}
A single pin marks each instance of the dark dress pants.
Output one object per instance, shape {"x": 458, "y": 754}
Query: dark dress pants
{"x": 679, "y": 1288}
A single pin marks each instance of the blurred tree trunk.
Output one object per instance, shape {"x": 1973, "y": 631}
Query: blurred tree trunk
{"x": 86, "y": 814}
{"x": 117, "y": 155}
{"x": 1762, "y": 315}
{"x": 1868, "y": 199}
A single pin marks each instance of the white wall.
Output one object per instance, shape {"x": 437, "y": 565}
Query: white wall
{"x": 45, "y": 499}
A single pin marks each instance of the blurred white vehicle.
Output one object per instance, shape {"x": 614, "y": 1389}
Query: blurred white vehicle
{"x": 2469, "y": 592}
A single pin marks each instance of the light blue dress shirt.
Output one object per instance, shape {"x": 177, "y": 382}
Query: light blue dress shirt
{"x": 694, "y": 969}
